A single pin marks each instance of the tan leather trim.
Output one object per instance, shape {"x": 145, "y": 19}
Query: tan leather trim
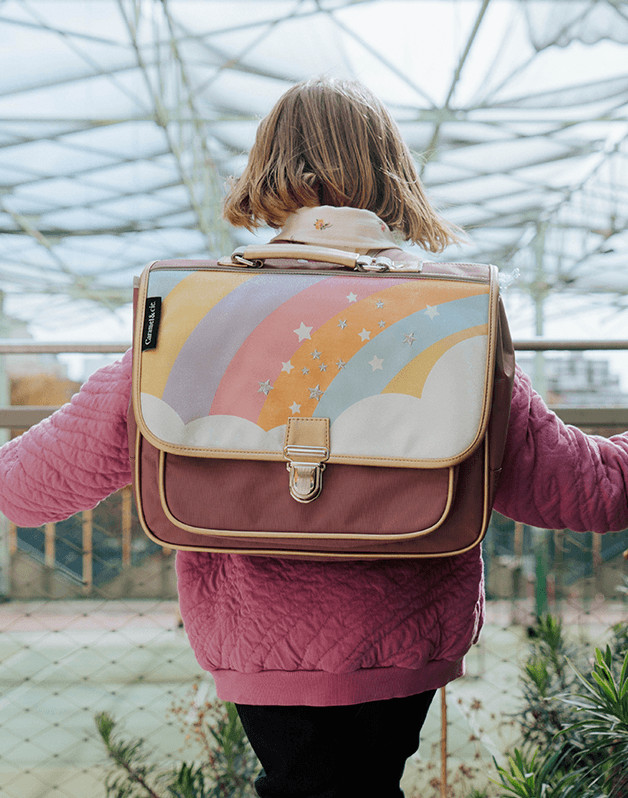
{"x": 308, "y": 433}
{"x": 137, "y": 352}
{"x": 493, "y": 317}
{"x": 294, "y": 251}
{"x": 232, "y": 533}
{"x": 138, "y": 501}
{"x": 325, "y": 555}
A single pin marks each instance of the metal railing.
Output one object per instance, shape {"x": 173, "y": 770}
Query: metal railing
{"x": 25, "y": 416}
{"x": 85, "y": 575}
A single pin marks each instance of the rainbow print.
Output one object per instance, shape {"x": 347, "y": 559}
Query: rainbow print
{"x": 240, "y": 352}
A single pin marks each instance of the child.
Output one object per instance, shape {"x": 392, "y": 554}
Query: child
{"x": 332, "y": 665}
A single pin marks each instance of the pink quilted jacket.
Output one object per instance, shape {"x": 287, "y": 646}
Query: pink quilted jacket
{"x": 288, "y": 632}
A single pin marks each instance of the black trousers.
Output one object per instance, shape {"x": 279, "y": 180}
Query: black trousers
{"x": 335, "y": 752}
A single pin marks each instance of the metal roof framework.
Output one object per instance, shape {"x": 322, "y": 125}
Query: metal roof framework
{"x": 120, "y": 121}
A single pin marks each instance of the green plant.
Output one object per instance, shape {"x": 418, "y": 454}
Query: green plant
{"x": 549, "y": 671}
{"x": 532, "y": 776}
{"x": 233, "y": 762}
{"x": 223, "y": 746}
{"x": 226, "y": 770}
{"x": 588, "y": 755}
{"x": 129, "y": 757}
{"x": 619, "y": 637}
{"x": 601, "y": 710}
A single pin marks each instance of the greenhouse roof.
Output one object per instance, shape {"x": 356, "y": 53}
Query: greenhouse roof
{"x": 120, "y": 121}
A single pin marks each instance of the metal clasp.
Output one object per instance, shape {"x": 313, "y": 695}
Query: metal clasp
{"x": 366, "y": 263}
{"x": 306, "y": 480}
{"x": 250, "y": 264}
{"x": 306, "y": 447}
{"x": 305, "y": 466}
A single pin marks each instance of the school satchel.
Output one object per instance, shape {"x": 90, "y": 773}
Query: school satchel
{"x": 301, "y": 401}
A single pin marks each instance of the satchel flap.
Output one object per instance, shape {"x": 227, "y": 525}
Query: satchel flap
{"x": 401, "y": 365}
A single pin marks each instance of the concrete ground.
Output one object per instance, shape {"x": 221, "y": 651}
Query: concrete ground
{"x": 63, "y": 662}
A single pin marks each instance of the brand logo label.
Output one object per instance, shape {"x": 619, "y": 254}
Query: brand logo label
{"x": 152, "y": 314}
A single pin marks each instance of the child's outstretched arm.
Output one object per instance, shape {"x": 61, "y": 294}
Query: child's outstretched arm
{"x": 73, "y": 459}
{"x": 555, "y": 476}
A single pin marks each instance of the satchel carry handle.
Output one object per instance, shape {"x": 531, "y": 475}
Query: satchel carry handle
{"x": 253, "y": 256}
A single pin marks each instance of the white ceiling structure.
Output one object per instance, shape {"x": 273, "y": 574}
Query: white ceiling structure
{"x": 120, "y": 121}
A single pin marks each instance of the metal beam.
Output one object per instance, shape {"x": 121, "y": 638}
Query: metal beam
{"x": 17, "y": 346}
{"x": 431, "y": 147}
{"x": 23, "y": 417}
{"x": 26, "y": 416}
{"x": 555, "y": 345}
{"x": 594, "y": 416}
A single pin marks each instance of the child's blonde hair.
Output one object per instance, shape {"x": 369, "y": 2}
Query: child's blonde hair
{"x": 332, "y": 142}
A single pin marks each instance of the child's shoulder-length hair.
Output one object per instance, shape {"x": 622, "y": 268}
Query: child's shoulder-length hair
{"x": 332, "y": 142}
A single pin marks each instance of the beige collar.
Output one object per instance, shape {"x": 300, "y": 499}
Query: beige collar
{"x": 352, "y": 229}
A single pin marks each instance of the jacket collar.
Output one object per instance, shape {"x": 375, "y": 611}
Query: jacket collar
{"x": 353, "y": 229}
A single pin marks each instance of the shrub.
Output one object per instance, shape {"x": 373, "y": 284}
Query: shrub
{"x": 226, "y": 771}
{"x": 582, "y": 732}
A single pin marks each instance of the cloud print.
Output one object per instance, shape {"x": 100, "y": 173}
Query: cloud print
{"x": 441, "y": 424}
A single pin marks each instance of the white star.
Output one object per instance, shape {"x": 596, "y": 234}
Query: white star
{"x": 303, "y": 332}
{"x": 295, "y": 408}
{"x": 379, "y": 303}
{"x": 341, "y": 364}
{"x": 431, "y": 311}
{"x": 322, "y": 367}
{"x": 409, "y": 338}
{"x": 352, "y": 297}
{"x": 305, "y": 370}
{"x": 342, "y": 323}
{"x": 377, "y": 363}
{"x": 365, "y": 335}
{"x": 316, "y": 355}
{"x": 381, "y": 323}
{"x": 287, "y": 367}
{"x": 316, "y": 393}
{"x": 265, "y": 387}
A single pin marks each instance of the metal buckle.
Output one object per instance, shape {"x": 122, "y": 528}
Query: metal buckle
{"x": 306, "y": 480}
{"x": 306, "y": 476}
{"x": 365, "y": 263}
{"x": 239, "y": 258}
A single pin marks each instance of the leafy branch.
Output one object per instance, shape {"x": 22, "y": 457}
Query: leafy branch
{"x": 226, "y": 771}
{"x": 130, "y": 757}
{"x": 586, "y": 756}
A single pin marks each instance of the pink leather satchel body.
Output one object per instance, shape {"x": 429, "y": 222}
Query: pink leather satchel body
{"x": 309, "y": 402}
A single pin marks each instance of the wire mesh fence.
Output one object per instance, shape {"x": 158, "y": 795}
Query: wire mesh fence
{"x": 90, "y": 624}
{"x": 582, "y": 584}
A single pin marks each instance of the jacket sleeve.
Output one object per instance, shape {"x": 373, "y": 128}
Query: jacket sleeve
{"x": 73, "y": 459}
{"x": 555, "y": 476}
